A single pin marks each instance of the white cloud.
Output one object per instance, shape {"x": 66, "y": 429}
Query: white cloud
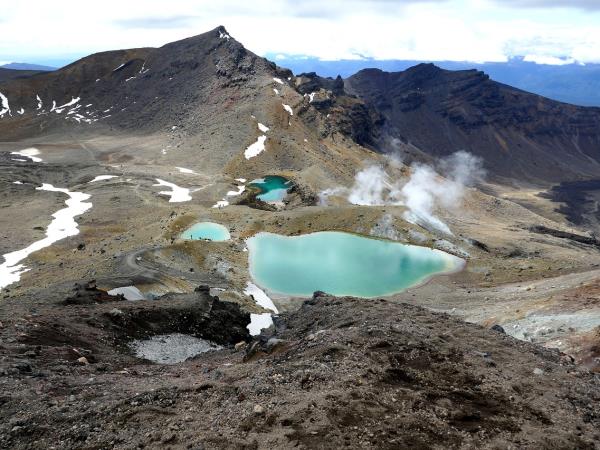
{"x": 476, "y": 30}
{"x": 548, "y": 60}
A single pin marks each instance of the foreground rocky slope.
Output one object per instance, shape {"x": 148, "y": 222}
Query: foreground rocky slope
{"x": 340, "y": 372}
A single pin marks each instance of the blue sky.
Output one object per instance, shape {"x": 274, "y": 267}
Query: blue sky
{"x": 464, "y": 30}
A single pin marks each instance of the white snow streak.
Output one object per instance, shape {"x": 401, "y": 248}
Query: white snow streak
{"x": 184, "y": 170}
{"x": 103, "y": 177}
{"x": 73, "y": 101}
{"x": 117, "y": 68}
{"x": 40, "y": 103}
{"x": 61, "y": 227}
{"x": 262, "y": 127}
{"x": 277, "y": 80}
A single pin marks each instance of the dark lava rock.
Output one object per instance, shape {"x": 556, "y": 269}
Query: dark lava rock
{"x": 498, "y": 328}
{"x": 87, "y": 293}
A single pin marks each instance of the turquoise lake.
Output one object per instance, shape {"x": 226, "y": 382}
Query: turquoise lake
{"x": 342, "y": 264}
{"x": 273, "y": 188}
{"x": 206, "y": 230}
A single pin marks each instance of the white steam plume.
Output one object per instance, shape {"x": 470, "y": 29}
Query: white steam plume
{"x": 421, "y": 193}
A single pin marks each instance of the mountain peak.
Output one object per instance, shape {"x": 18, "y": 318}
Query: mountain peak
{"x": 424, "y": 71}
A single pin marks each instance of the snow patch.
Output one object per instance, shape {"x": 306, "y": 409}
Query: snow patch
{"x": 221, "y": 204}
{"x": 5, "y": 108}
{"x": 103, "y": 177}
{"x": 288, "y": 108}
{"x": 238, "y": 192}
{"x": 277, "y": 80}
{"x": 117, "y": 68}
{"x": 256, "y": 148}
{"x": 130, "y": 293}
{"x": 21, "y": 111}
{"x": 39, "y": 100}
{"x": 29, "y": 153}
{"x": 177, "y": 194}
{"x": 184, "y": 170}
{"x": 276, "y": 91}
{"x": 62, "y": 226}
{"x": 260, "y": 297}
{"x": 262, "y": 127}
{"x": 258, "y": 322}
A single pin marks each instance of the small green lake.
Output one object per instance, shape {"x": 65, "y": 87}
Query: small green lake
{"x": 206, "y": 230}
{"x": 342, "y": 264}
{"x": 273, "y": 188}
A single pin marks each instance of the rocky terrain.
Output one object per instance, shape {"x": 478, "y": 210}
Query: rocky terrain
{"x": 145, "y": 142}
{"x": 339, "y": 372}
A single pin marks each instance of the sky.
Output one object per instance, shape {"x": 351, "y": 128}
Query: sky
{"x": 544, "y": 31}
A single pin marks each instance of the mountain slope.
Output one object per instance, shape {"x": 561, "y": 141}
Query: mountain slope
{"x": 519, "y": 135}
{"x": 9, "y": 74}
{"x": 155, "y": 86}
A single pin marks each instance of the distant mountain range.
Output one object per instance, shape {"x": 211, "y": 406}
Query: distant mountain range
{"x": 204, "y": 81}
{"x": 27, "y": 66}
{"x": 570, "y": 83}
{"x": 519, "y": 135}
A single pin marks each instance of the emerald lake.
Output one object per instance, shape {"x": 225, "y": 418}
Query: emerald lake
{"x": 342, "y": 264}
{"x": 273, "y": 188}
{"x": 206, "y": 230}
